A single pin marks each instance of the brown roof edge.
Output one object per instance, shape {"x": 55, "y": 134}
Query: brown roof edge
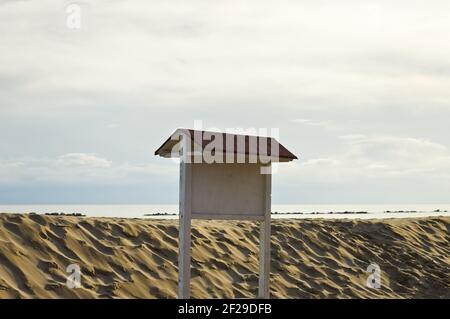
{"x": 283, "y": 151}
{"x": 159, "y": 148}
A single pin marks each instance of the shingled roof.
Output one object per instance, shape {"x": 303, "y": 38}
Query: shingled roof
{"x": 241, "y": 145}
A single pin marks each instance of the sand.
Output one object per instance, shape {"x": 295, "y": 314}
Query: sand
{"x": 137, "y": 258}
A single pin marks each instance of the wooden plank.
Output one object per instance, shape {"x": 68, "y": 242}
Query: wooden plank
{"x": 184, "y": 254}
{"x": 264, "y": 245}
{"x": 237, "y": 216}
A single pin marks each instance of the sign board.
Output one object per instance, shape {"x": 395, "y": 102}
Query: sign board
{"x": 228, "y": 191}
{"x": 238, "y": 191}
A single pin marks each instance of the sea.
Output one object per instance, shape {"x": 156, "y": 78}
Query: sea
{"x": 338, "y": 211}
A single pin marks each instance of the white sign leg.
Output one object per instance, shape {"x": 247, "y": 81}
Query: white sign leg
{"x": 184, "y": 254}
{"x": 264, "y": 243}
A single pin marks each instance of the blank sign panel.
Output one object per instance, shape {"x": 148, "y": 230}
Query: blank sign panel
{"x": 227, "y": 190}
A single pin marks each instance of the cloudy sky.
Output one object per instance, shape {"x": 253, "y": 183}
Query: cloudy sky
{"x": 360, "y": 90}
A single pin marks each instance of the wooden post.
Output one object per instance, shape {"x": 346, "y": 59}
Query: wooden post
{"x": 184, "y": 253}
{"x": 264, "y": 241}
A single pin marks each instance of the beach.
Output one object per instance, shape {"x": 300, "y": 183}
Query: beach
{"x": 137, "y": 258}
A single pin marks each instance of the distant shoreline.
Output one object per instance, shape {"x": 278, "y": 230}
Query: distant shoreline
{"x": 350, "y": 211}
{"x": 275, "y": 214}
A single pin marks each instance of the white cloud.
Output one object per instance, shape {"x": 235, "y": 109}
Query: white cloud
{"x": 80, "y": 168}
{"x": 322, "y": 124}
{"x": 322, "y": 162}
{"x": 376, "y": 157}
{"x": 4, "y": 164}
{"x": 399, "y": 155}
{"x": 352, "y": 136}
{"x": 176, "y": 53}
{"x": 83, "y": 160}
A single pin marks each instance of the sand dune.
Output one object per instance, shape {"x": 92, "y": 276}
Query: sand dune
{"x": 136, "y": 258}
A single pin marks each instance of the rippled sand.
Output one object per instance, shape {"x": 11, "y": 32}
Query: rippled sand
{"x": 137, "y": 258}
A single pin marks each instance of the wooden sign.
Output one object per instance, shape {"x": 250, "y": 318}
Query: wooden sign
{"x": 238, "y": 191}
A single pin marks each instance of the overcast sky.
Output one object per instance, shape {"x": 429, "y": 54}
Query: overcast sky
{"x": 360, "y": 91}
